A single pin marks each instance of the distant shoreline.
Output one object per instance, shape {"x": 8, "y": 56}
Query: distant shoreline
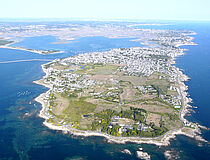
{"x": 43, "y": 52}
{"x": 24, "y": 60}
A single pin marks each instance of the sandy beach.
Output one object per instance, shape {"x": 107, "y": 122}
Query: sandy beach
{"x": 30, "y": 50}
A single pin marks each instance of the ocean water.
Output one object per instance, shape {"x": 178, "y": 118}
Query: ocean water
{"x": 22, "y": 135}
{"x": 80, "y": 45}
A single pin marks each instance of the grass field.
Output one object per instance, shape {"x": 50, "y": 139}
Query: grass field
{"x": 77, "y": 108}
{"x": 136, "y": 81}
{"x": 62, "y": 67}
{"x": 97, "y": 69}
{"x": 72, "y": 109}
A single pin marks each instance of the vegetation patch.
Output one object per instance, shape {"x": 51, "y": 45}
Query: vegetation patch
{"x": 77, "y": 108}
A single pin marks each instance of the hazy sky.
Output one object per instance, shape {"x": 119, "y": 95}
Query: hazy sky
{"x": 107, "y": 9}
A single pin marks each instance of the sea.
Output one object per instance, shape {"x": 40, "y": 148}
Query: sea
{"x": 23, "y": 136}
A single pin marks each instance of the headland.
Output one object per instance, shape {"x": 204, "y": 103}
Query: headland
{"x": 125, "y": 95}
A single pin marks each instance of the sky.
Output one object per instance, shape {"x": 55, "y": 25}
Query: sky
{"x": 107, "y": 9}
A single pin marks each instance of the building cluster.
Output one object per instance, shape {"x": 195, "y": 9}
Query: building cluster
{"x": 135, "y": 61}
{"x": 60, "y": 80}
{"x": 125, "y": 126}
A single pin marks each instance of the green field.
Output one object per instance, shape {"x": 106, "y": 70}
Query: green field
{"x": 77, "y": 108}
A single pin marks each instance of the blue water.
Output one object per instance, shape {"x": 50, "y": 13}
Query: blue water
{"x": 84, "y": 44}
{"x": 24, "y": 137}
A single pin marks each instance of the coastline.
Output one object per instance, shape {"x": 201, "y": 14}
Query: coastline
{"x": 43, "y": 52}
{"x": 162, "y": 140}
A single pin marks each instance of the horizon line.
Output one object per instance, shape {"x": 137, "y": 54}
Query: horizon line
{"x": 94, "y": 19}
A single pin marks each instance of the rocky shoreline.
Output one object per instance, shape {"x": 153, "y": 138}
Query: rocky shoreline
{"x": 160, "y": 141}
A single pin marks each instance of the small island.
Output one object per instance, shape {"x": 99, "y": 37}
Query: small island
{"x": 126, "y": 94}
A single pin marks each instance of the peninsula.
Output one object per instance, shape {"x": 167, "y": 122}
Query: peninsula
{"x": 38, "y": 51}
{"x": 126, "y": 94}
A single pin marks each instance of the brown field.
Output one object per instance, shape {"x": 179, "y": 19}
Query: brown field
{"x": 61, "y": 67}
{"x": 155, "y": 118}
{"x": 161, "y": 82}
{"x": 126, "y": 121}
{"x": 136, "y": 81}
{"x": 103, "y": 70}
{"x": 85, "y": 123}
{"x": 147, "y": 96}
{"x": 102, "y": 104}
{"x": 153, "y": 76}
{"x": 171, "y": 124}
{"x": 98, "y": 69}
{"x": 99, "y": 88}
{"x": 128, "y": 93}
{"x": 103, "y": 77}
{"x": 61, "y": 104}
{"x": 156, "y": 103}
{"x": 153, "y": 108}
{"x": 156, "y": 75}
